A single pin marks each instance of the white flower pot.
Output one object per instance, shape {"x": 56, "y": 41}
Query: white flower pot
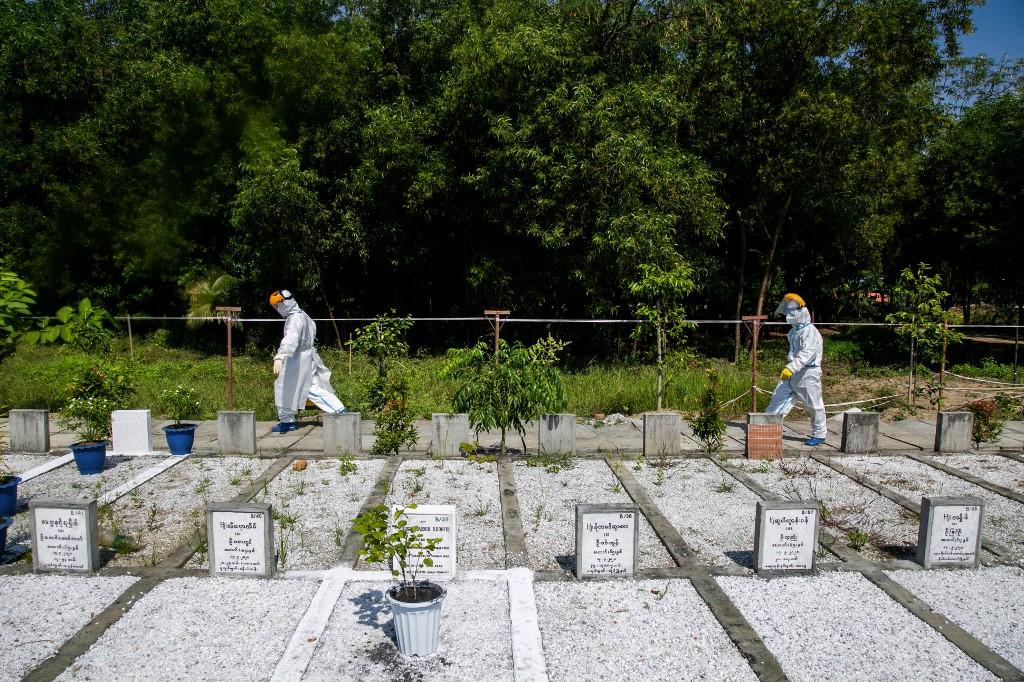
{"x": 417, "y": 624}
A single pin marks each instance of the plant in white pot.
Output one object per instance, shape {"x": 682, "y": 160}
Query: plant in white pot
{"x": 181, "y": 402}
{"x": 90, "y": 418}
{"x": 388, "y": 539}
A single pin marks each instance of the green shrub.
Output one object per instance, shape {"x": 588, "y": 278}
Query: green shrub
{"x": 988, "y": 422}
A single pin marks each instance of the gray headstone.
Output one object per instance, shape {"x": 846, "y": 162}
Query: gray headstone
{"x": 236, "y": 432}
{"x": 860, "y": 432}
{"x": 65, "y": 535}
{"x": 953, "y": 431}
{"x": 449, "y": 431}
{"x": 132, "y": 432}
{"x": 435, "y": 521}
{"x": 949, "y": 535}
{"x": 29, "y": 431}
{"x": 607, "y": 537}
{"x": 785, "y": 537}
{"x": 240, "y": 539}
{"x": 556, "y": 434}
{"x": 662, "y": 435}
{"x": 342, "y": 435}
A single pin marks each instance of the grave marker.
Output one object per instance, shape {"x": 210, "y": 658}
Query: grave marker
{"x": 435, "y": 521}
{"x": 785, "y": 537}
{"x": 65, "y": 535}
{"x": 240, "y": 539}
{"x": 131, "y": 431}
{"x": 949, "y": 535}
{"x": 607, "y": 537}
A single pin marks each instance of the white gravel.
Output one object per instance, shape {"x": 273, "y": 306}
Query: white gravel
{"x": 19, "y": 464}
{"x": 838, "y": 626}
{"x": 547, "y": 505}
{"x": 915, "y": 480}
{"x": 988, "y": 603}
{"x": 718, "y": 523}
{"x": 851, "y": 506}
{"x": 313, "y": 510}
{"x": 993, "y": 468}
{"x": 41, "y": 612}
{"x": 66, "y": 483}
{"x": 162, "y": 513}
{"x": 475, "y": 643}
{"x": 199, "y": 629}
{"x": 624, "y": 631}
{"x": 473, "y": 489}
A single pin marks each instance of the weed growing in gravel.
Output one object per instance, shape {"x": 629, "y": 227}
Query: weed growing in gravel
{"x": 551, "y": 463}
{"x": 800, "y": 467}
{"x": 481, "y": 508}
{"x": 481, "y": 459}
{"x": 236, "y": 480}
{"x": 660, "y": 594}
{"x": 725, "y": 486}
{"x": 857, "y": 538}
{"x": 413, "y": 486}
{"x": 325, "y": 481}
{"x": 764, "y": 466}
{"x": 347, "y": 465}
{"x": 616, "y": 487}
{"x": 638, "y": 462}
{"x": 659, "y": 476}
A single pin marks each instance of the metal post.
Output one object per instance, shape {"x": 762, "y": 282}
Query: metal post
{"x": 1016, "y": 344}
{"x": 131, "y": 347}
{"x": 497, "y": 315}
{"x": 757, "y": 320}
{"x": 229, "y": 319}
{"x": 942, "y": 364}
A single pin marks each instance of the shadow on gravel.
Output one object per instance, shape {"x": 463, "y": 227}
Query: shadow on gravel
{"x": 371, "y": 610}
{"x": 744, "y": 559}
{"x": 567, "y": 562}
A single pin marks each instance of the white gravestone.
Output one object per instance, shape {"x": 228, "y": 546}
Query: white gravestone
{"x": 434, "y": 521}
{"x": 785, "y": 537}
{"x": 240, "y": 538}
{"x": 949, "y": 535}
{"x": 131, "y": 432}
{"x": 65, "y": 535}
{"x": 606, "y": 540}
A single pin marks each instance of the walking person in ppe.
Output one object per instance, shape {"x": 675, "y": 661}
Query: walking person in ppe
{"x": 800, "y": 380}
{"x": 300, "y": 372}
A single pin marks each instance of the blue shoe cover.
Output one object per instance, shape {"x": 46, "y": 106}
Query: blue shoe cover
{"x": 814, "y": 441}
{"x": 284, "y": 427}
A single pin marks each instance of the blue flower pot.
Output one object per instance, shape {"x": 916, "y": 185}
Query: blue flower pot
{"x": 180, "y": 438}
{"x": 89, "y": 457}
{"x": 9, "y": 496}
{"x": 4, "y": 525}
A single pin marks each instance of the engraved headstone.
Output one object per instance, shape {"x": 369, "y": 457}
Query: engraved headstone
{"x": 606, "y": 540}
{"x": 785, "y": 537}
{"x": 435, "y": 521}
{"x": 240, "y": 538}
{"x": 949, "y": 535}
{"x": 65, "y": 535}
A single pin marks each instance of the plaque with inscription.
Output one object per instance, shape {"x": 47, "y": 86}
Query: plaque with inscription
{"x": 606, "y": 540}
{"x": 785, "y": 537}
{"x": 240, "y": 538}
{"x": 65, "y": 535}
{"x": 434, "y": 521}
{"x": 949, "y": 535}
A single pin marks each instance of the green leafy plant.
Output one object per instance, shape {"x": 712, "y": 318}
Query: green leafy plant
{"x": 16, "y": 301}
{"x": 205, "y": 294}
{"x": 394, "y": 428}
{"x": 383, "y": 342}
{"x": 988, "y": 421}
{"x": 89, "y": 417}
{"x": 505, "y": 388}
{"x": 181, "y": 402}
{"x": 708, "y": 424}
{"x": 857, "y": 538}
{"x": 105, "y": 380}
{"x": 725, "y": 487}
{"x": 552, "y": 463}
{"x": 85, "y": 327}
{"x": 347, "y": 465}
{"x": 390, "y": 541}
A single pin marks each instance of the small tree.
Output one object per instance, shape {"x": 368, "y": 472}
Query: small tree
{"x": 205, "y": 294}
{"x": 708, "y": 424}
{"x": 923, "y": 320}
{"x": 659, "y": 292}
{"x": 383, "y": 342}
{"x": 85, "y": 327}
{"x": 988, "y": 421}
{"x": 505, "y": 389}
{"x": 389, "y": 540}
{"x": 16, "y": 301}
{"x": 181, "y": 402}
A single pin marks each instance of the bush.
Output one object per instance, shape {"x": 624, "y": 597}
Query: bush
{"x": 89, "y": 417}
{"x": 181, "y": 402}
{"x": 988, "y": 421}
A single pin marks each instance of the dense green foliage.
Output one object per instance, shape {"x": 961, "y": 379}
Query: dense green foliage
{"x": 543, "y": 156}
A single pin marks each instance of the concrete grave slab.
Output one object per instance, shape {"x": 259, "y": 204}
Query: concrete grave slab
{"x": 29, "y": 431}
{"x": 953, "y": 431}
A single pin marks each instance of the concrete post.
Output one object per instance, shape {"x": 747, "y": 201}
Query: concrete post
{"x": 953, "y": 431}
{"x": 764, "y": 436}
{"x": 860, "y": 432}
{"x": 556, "y": 434}
{"x": 132, "y": 431}
{"x": 29, "y": 431}
{"x": 662, "y": 434}
{"x": 448, "y": 432}
{"x": 342, "y": 435}
{"x": 236, "y": 432}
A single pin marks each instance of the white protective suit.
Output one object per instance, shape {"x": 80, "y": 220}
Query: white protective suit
{"x": 804, "y": 361}
{"x": 303, "y": 374}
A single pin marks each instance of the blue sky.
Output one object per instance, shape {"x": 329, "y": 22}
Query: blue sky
{"x": 998, "y": 30}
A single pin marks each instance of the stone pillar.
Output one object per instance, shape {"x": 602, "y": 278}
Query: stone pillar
{"x": 764, "y": 436}
{"x": 132, "y": 432}
{"x": 342, "y": 435}
{"x": 236, "y": 432}
{"x": 860, "y": 432}
{"x": 662, "y": 435}
{"x": 448, "y": 432}
{"x": 29, "y": 431}
{"x": 953, "y": 431}
{"x": 556, "y": 434}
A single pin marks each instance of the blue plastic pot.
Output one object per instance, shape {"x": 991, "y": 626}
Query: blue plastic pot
{"x": 180, "y": 438}
{"x": 4, "y": 525}
{"x": 9, "y": 496}
{"x": 89, "y": 457}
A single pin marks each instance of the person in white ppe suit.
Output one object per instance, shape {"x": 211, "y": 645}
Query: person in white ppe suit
{"x": 300, "y": 372}
{"x": 800, "y": 380}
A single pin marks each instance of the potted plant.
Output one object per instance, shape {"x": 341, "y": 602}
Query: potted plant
{"x": 90, "y": 417}
{"x": 388, "y": 539}
{"x": 8, "y": 490}
{"x": 181, "y": 402}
